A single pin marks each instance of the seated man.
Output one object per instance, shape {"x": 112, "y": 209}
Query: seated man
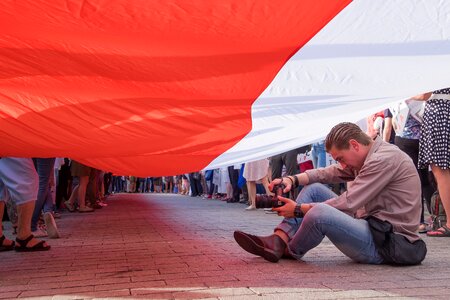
{"x": 382, "y": 201}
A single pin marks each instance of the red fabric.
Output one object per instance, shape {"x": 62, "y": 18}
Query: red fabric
{"x": 306, "y": 165}
{"x": 142, "y": 87}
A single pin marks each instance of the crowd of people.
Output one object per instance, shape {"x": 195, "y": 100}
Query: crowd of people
{"x": 35, "y": 191}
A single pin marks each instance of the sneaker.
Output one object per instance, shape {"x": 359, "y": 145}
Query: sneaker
{"x": 69, "y": 206}
{"x": 50, "y": 224}
{"x": 251, "y": 207}
{"x": 39, "y": 233}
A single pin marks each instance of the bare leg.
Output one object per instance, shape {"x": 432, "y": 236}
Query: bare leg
{"x": 74, "y": 195}
{"x": 251, "y": 187}
{"x": 265, "y": 182}
{"x": 84, "y": 180}
{"x": 25, "y": 212}
{"x": 443, "y": 181}
{"x": 6, "y": 242}
{"x": 229, "y": 191}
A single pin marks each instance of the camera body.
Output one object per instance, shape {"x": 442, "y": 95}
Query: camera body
{"x": 267, "y": 201}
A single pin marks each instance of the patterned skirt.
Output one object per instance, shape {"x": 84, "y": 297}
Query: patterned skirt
{"x": 434, "y": 147}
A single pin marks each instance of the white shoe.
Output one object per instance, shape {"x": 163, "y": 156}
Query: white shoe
{"x": 50, "y": 224}
{"x": 251, "y": 207}
{"x": 39, "y": 233}
{"x": 69, "y": 206}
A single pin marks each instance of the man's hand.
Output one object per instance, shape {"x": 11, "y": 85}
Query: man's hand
{"x": 287, "y": 183}
{"x": 287, "y": 210}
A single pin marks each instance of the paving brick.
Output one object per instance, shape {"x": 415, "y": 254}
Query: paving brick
{"x": 163, "y": 246}
{"x": 9, "y": 295}
{"x": 132, "y": 285}
{"x": 213, "y": 293}
{"x": 111, "y": 293}
{"x": 96, "y": 281}
{"x": 54, "y": 292}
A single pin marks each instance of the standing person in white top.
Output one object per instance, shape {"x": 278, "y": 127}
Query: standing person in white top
{"x": 256, "y": 171}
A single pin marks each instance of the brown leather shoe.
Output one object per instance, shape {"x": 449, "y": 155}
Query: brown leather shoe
{"x": 270, "y": 247}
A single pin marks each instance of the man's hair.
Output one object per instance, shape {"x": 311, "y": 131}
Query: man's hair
{"x": 341, "y": 134}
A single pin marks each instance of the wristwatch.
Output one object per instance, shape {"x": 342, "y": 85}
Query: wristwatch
{"x": 298, "y": 211}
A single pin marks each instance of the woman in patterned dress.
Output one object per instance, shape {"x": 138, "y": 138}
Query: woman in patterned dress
{"x": 434, "y": 148}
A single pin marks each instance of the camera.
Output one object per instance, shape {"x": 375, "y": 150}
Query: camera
{"x": 267, "y": 201}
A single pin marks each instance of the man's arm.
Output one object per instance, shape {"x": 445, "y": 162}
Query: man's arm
{"x": 370, "y": 182}
{"x": 422, "y": 97}
{"x": 387, "y": 129}
{"x": 330, "y": 174}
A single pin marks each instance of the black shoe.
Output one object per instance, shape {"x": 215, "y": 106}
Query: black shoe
{"x": 232, "y": 201}
{"x": 270, "y": 248}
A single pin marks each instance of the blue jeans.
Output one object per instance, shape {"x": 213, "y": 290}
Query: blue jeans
{"x": 44, "y": 168}
{"x": 351, "y": 236}
{"x": 318, "y": 155}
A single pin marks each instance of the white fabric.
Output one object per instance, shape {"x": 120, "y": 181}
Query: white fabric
{"x": 372, "y": 54}
{"x": 220, "y": 178}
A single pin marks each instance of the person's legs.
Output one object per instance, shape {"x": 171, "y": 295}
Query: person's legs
{"x": 229, "y": 191}
{"x": 234, "y": 177}
{"x": 2, "y": 209}
{"x": 318, "y": 155}
{"x": 290, "y": 161}
{"x": 321, "y": 156}
{"x": 89, "y": 198}
{"x": 199, "y": 186}
{"x": 265, "y": 183}
{"x": 443, "y": 181}
{"x": 5, "y": 244}
{"x": 211, "y": 188}
{"x": 70, "y": 203}
{"x": 314, "y": 155}
{"x": 251, "y": 188}
{"x": 44, "y": 168}
{"x": 82, "y": 194}
{"x": 351, "y": 236}
{"x": 312, "y": 193}
{"x": 187, "y": 186}
{"x": 272, "y": 247}
{"x": 277, "y": 166}
{"x": 193, "y": 185}
{"x": 20, "y": 178}
{"x": 50, "y": 224}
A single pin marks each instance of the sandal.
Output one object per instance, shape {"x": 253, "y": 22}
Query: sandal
{"x": 5, "y": 247}
{"x": 21, "y": 245}
{"x": 444, "y": 231}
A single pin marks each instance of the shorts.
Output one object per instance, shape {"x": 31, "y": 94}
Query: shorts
{"x": 18, "y": 180}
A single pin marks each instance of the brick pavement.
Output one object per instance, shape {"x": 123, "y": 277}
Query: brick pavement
{"x": 169, "y": 247}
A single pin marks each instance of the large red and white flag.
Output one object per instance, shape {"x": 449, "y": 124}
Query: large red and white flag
{"x": 166, "y": 87}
